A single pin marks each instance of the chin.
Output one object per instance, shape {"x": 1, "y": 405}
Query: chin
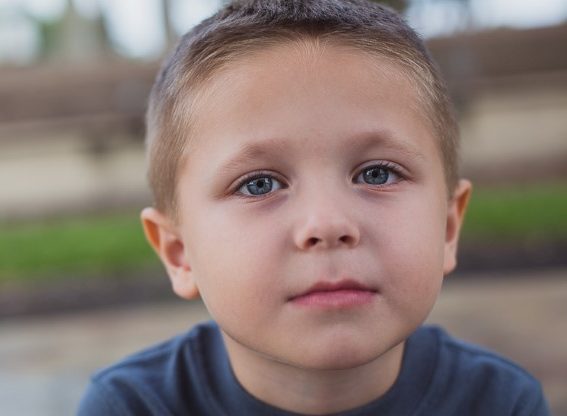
{"x": 340, "y": 356}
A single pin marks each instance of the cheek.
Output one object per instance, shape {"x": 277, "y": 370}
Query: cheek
{"x": 233, "y": 260}
{"x": 415, "y": 251}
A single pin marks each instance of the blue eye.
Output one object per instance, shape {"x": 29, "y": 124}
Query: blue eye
{"x": 259, "y": 185}
{"x": 378, "y": 175}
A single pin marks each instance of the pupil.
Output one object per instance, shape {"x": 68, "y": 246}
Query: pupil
{"x": 259, "y": 186}
{"x": 377, "y": 176}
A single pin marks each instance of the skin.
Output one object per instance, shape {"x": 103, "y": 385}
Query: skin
{"x": 322, "y": 114}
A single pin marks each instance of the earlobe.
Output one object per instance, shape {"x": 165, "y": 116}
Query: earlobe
{"x": 166, "y": 241}
{"x": 455, "y": 216}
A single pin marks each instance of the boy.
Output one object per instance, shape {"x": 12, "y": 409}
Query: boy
{"x": 303, "y": 159}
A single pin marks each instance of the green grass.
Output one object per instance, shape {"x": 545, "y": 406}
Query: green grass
{"x": 535, "y": 212}
{"x": 73, "y": 247}
{"x": 107, "y": 246}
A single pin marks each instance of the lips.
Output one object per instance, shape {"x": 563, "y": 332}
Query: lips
{"x": 343, "y": 293}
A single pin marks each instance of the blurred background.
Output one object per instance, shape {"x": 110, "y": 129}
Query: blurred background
{"x": 79, "y": 286}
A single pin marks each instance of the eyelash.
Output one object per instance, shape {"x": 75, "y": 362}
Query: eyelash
{"x": 390, "y": 167}
{"x": 250, "y": 178}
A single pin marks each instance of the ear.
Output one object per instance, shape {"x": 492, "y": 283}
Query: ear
{"x": 455, "y": 215}
{"x": 165, "y": 239}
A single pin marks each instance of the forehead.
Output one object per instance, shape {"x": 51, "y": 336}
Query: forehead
{"x": 304, "y": 90}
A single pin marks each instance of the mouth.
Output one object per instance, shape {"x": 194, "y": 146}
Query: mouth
{"x": 342, "y": 294}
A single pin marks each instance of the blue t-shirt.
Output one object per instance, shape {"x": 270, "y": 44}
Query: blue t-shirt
{"x": 191, "y": 375}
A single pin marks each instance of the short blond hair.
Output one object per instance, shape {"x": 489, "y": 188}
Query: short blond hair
{"x": 245, "y": 26}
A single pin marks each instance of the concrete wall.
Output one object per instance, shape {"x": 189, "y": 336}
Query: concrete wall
{"x": 63, "y": 175}
{"x": 516, "y": 129}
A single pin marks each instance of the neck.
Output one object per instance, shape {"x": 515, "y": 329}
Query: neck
{"x": 309, "y": 391}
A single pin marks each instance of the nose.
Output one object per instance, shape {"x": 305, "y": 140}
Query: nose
{"x": 325, "y": 228}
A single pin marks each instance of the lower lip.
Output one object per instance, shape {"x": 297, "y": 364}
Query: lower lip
{"x": 335, "y": 299}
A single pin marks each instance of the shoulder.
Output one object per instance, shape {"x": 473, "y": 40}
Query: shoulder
{"x": 149, "y": 381}
{"x": 184, "y": 349}
{"x": 481, "y": 363}
{"x": 477, "y": 378}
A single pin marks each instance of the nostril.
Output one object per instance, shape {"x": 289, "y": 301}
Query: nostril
{"x": 346, "y": 239}
{"x": 328, "y": 241}
{"x": 313, "y": 241}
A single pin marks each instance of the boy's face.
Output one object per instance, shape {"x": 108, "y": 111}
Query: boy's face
{"x": 312, "y": 167}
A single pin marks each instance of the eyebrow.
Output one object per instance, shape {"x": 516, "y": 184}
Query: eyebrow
{"x": 250, "y": 152}
{"x": 384, "y": 139}
{"x": 273, "y": 148}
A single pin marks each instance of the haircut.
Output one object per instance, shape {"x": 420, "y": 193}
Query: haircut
{"x": 246, "y": 26}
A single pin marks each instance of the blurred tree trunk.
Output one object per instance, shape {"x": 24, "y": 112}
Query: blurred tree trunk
{"x": 74, "y": 37}
{"x": 170, "y": 34}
